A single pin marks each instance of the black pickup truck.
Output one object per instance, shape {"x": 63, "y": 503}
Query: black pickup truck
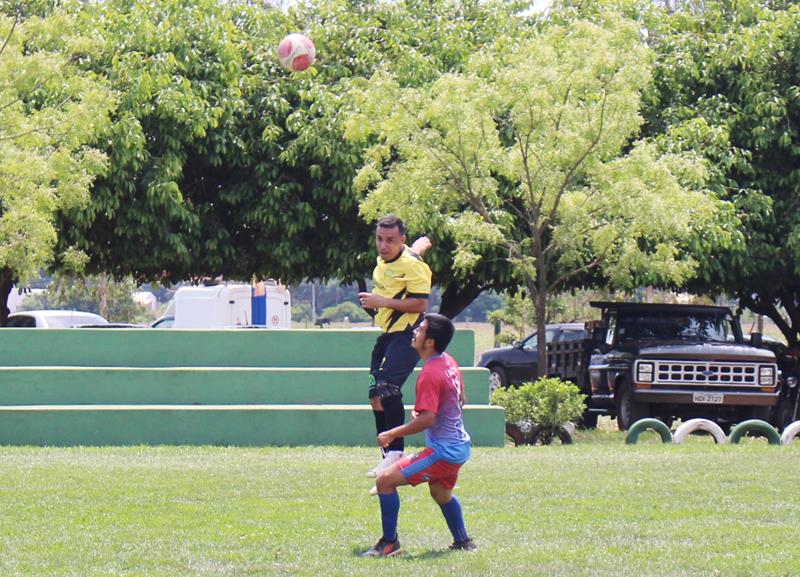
{"x": 668, "y": 361}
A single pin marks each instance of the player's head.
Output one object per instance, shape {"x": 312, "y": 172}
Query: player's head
{"x": 390, "y": 237}
{"x": 436, "y": 329}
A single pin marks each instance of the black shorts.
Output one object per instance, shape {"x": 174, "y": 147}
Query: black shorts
{"x": 393, "y": 359}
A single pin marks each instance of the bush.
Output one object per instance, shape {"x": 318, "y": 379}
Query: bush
{"x": 548, "y": 402}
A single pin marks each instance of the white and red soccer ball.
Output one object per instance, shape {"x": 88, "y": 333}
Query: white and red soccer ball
{"x": 296, "y": 52}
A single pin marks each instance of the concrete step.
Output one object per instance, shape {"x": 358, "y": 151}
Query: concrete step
{"x": 203, "y": 385}
{"x": 202, "y": 348}
{"x": 234, "y": 425}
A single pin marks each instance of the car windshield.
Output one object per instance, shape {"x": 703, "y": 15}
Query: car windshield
{"x": 676, "y": 325}
{"x": 529, "y": 344}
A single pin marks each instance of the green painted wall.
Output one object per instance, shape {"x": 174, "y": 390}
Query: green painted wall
{"x": 201, "y": 348}
{"x": 207, "y": 386}
{"x": 253, "y": 425}
{"x": 243, "y": 387}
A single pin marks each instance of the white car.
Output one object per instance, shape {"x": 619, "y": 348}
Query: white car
{"x": 53, "y": 319}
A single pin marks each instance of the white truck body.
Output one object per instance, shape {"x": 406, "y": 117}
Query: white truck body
{"x": 230, "y": 305}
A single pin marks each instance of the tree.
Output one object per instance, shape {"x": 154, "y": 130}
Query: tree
{"x": 528, "y": 152}
{"x": 49, "y": 112}
{"x": 223, "y": 163}
{"x": 726, "y": 84}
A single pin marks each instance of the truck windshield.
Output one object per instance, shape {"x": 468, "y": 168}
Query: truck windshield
{"x": 675, "y": 325}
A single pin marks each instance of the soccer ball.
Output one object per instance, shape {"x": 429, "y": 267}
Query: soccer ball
{"x": 296, "y": 52}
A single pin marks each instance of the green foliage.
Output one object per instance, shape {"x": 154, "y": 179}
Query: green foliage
{"x": 517, "y": 318}
{"x": 346, "y": 310}
{"x": 529, "y": 151}
{"x": 50, "y": 111}
{"x": 725, "y": 85}
{"x": 549, "y": 401}
{"x": 302, "y": 313}
{"x": 95, "y": 294}
{"x": 222, "y": 162}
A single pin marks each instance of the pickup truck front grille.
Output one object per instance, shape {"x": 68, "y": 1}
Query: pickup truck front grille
{"x": 679, "y": 373}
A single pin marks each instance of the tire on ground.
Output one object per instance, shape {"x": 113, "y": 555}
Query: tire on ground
{"x": 643, "y": 425}
{"x": 544, "y": 435}
{"x": 755, "y": 426}
{"x": 790, "y": 432}
{"x": 695, "y": 425}
{"x": 516, "y": 434}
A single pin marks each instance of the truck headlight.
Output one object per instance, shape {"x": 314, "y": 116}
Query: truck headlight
{"x": 644, "y": 372}
{"x": 766, "y": 376}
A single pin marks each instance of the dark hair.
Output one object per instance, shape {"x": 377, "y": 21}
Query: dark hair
{"x": 392, "y": 221}
{"x": 440, "y": 330}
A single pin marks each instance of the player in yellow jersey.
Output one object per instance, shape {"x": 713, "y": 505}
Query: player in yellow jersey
{"x": 398, "y": 301}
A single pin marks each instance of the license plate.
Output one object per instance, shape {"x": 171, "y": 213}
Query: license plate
{"x": 708, "y": 398}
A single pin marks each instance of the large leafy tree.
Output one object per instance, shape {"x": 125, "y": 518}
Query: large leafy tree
{"x": 528, "y": 152}
{"x": 49, "y": 112}
{"x": 222, "y": 163}
{"x": 726, "y": 83}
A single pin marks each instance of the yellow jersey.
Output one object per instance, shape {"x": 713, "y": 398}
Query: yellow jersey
{"x": 407, "y": 276}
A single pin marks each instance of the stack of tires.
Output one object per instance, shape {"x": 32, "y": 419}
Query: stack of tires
{"x": 752, "y": 427}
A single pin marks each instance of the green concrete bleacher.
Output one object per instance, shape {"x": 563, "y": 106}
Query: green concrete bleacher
{"x": 203, "y": 385}
{"x": 201, "y": 348}
{"x": 238, "y": 425}
{"x": 223, "y": 387}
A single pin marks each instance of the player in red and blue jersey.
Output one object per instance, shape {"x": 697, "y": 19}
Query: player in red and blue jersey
{"x": 437, "y": 411}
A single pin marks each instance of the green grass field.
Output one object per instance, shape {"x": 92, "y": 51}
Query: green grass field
{"x": 595, "y": 508}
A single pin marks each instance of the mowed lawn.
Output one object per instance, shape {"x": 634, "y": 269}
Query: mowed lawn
{"x": 596, "y": 508}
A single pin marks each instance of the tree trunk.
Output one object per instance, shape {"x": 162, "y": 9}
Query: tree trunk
{"x": 540, "y": 305}
{"x": 102, "y": 290}
{"x": 457, "y": 297}
{"x": 6, "y": 284}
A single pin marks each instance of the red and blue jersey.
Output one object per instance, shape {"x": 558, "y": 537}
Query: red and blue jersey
{"x": 440, "y": 390}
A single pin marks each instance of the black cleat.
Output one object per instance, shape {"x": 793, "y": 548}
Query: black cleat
{"x": 465, "y": 545}
{"x": 383, "y": 548}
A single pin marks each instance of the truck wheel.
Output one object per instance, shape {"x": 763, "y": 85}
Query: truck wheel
{"x": 790, "y": 432}
{"x": 545, "y": 435}
{"x": 628, "y": 410}
{"x": 695, "y": 425}
{"x": 643, "y": 425}
{"x": 497, "y": 378}
{"x": 762, "y": 428}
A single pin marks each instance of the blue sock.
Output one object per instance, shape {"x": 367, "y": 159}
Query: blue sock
{"x": 455, "y": 519}
{"x": 390, "y": 509}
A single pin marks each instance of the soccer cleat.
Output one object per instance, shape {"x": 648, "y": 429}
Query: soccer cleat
{"x": 465, "y": 545}
{"x": 390, "y": 458}
{"x": 374, "y": 491}
{"x": 383, "y": 548}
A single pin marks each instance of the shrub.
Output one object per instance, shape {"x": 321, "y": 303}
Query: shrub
{"x": 548, "y": 402}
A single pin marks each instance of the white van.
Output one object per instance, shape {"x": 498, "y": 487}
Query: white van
{"x": 232, "y": 305}
{"x": 53, "y": 319}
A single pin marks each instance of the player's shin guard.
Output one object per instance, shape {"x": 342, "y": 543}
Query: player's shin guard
{"x": 395, "y": 414}
{"x": 455, "y": 519}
